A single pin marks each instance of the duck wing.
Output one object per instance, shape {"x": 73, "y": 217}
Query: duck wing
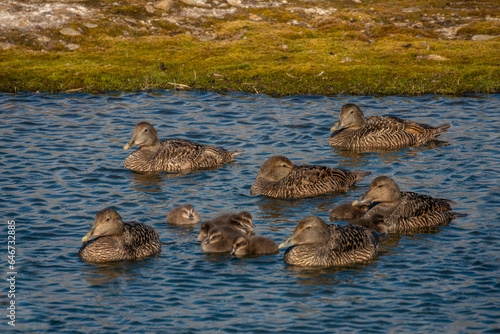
{"x": 140, "y": 241}
{"x": 311, "y": 180}
{"x": 180, "y": 155}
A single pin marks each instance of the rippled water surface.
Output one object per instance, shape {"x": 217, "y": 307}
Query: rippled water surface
{"x": 62, "y": 162}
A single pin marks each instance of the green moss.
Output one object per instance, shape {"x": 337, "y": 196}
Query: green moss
{"x": 355, "y": 51}
{"x": 486, "y": 28}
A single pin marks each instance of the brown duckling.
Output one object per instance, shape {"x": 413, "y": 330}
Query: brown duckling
{"x": 110, "y": 239}
{"x": 398, "y": 211}
{"x": 241, "y": 221}
{"x": 255, "y": 245}
{"x": 220, "y": 240}
{"x": 174, "y": 156}
{"x": 317, "y": 244}
{"x": 183, "y": 215}
{"x": 279, "y": 177}
{"x": 348, "y": 211}
{"x": 354, "y": 132}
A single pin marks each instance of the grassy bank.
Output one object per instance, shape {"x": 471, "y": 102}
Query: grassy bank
{"x": 334, "y": 55}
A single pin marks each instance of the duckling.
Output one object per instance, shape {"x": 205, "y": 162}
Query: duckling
{"x": 242, "y": 222}
{"x": 171, "y": 156}
{"x": 354, "y": 132}
{"x": 348, "y": 211}
{"x": 317, "y": 244}
{"x": 183, "y": 215}
{"x": 398, "y": 211}
{"x": 220, "y": 240}
{"x": 255, "y": 245}
{"x": 278, "y": 177}
{"x": 110, "y": 239}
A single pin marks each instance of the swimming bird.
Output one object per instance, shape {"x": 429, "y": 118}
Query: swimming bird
{"x": 254, "y": 245}
{"x": 242, "y": 222}
{"x": 347, "y": 211}
{"x": 183, "y": 215}
{"x": 354, "y": 132}
{"x": 317, "y": 244}
{"x": 110, "y": 239}
{"x": 396, "y": 211}
{"x": 173, "y": 156}
{"x": 220, "y": 240}
{"x": 279, "y": 177}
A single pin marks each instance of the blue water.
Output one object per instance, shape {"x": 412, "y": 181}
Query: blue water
{"x": 62, "y": 161}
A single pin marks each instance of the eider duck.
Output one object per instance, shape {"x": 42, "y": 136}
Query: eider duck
{"x": 220, "y": 240}
{"x": 347, "y": 211}
{"x": 173, "y": 156}
{"x": 242, "y": 222}
{"x": 254, "y": 245}
{"x": 317, "y": 244}
{"x": 278, "y": 177}
{"x": 110, "y": 239}
{"x": 396, "y": 211}
{"x": 354, "y": 132}
{"x": 183, "y": 215}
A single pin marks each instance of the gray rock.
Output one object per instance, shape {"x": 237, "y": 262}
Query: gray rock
{"x": 72, "y": 47}
{"x": 483, "y": 37}
{"x": 69, "y": 32}
{"x": 165, "y": 4}
{"x": 411, "y": 10}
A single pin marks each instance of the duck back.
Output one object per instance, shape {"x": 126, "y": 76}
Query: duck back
{"x": 137, "y": 242}
{"x": 308, "y": 181}
{"x": 385, "y": 132}
{"x": 176, "y": 156}
{"x": 347, "y": 245}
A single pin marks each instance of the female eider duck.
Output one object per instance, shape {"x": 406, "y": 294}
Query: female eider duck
{"x": 241, "y": 222}
{"x": 278, "y": 177}
{"x": 183, "y": 215}
{"x": 110, "y": 239}
{"x": 317, "y": 244}
{"x": 354, "y": 132}
{"x": 254, "y": 245}
{"x": 395, "y": 211}
{"x": 173, "y": 156}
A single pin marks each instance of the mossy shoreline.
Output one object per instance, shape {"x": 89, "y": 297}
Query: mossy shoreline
{"x": 353, "y": 51}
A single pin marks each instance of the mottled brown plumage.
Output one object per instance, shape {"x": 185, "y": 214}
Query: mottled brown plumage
{"x": 183, "y": 215}
{"x": 171, "y": 156}
{"x": 110, "y": 239}
{"x": 317, "y": 244}
{"x": 397, "y": 211}
{"x": 353, "y": 132}
{"x": 279, "y": 177}
{"x": 242, "y": 222}
{"x": 254, "y": 245}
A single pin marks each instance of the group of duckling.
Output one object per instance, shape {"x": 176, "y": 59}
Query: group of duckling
{"x": 381, "y": 210}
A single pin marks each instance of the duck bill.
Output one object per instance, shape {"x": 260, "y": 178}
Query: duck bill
{"x": 89, "y": 236}
{"x": 130, "y": 144}
{"x": 362, "y": 200}
{"x": 287, "y": 243}
{"x": 336, "y": 126}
